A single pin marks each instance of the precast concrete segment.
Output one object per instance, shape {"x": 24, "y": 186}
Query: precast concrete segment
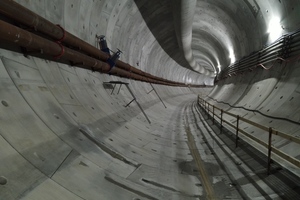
{"x": 269, "y": 98}
{"x": 249, "y": 159}
{"x": 183, "y": 12}
{"x": 66, "y": 99}
{"x": 19, "y": 13}
{"x": 122, "y": 130}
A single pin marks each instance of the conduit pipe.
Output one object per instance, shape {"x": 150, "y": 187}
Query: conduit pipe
{"x": 183, "y": 12}
{"x": 285, "y": 49}
{"x": 31, "y": 41}
{"x": 15, "y": 11}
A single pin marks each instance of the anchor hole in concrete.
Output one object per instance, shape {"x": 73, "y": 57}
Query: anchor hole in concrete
{"x": 56, "y": 116}
{"x": 3, "y": 180}
{"x": 4, "y": 103}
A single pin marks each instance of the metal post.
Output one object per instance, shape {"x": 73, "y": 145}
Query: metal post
{"x": 113, "y": 89}
{"x": 138, "y": 103}
{"x": 237, "y": 131}
{"x": 207, "y": 110}
{"x": 213, "y": 114}
{"x": 129, "y": 103}
{"x": 149, "y": 91}
{"x": 158, "y": 95}
{"x": 269, "y": 150}
{"x": 119, "y": 88}
{"x": 221, "y": 120}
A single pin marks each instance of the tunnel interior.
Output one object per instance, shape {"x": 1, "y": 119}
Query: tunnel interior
{"x": 69, "y": 132}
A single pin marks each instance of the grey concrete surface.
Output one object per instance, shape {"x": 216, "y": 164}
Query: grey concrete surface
{"x": 63, "y": 135}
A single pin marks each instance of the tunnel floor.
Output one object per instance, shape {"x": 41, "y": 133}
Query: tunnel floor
{"x": 185, "y": 157}
{"x": 65, "y": 136}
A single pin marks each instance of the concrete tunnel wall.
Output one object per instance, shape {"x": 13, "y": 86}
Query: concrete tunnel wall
{"x": 273, "y": 93}
{"x": 49, "y": 110}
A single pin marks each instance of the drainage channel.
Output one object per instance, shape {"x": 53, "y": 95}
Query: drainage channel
{"x": 199, "y": 162}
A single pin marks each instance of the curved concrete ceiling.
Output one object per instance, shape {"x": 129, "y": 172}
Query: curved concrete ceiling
{"x": 66, "y": 135}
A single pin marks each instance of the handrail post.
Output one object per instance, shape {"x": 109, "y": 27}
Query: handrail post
{"x": 213, "y": 114}
{"x": 221, "y": 120}
{"x": 207, "y": 110}
{"x": 269, "y": 150}
{"x": 202, "y": 105}
{"x": 237, "y": 131}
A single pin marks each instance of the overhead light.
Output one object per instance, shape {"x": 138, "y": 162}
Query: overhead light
{"x": 274, "y": 29}
{"x": 219, "y": 67}
{"x": 231, "y": 56}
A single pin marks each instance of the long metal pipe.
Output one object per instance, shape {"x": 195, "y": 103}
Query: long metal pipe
{"x": 26, "y": 17}
{"x": 31, "y": 41}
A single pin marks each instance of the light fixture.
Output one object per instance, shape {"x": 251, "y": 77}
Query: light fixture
{"x": 274, "y": 29}
{"x": 231, "y": 56}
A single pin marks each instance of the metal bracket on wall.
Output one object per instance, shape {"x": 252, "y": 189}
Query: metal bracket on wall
{"x": 130, "y": 91}
{"x": 153, "y": 89}
{"x": 26, "y": 52}
{"x": 115, "y": 87}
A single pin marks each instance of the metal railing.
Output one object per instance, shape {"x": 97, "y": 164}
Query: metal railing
{"x": 218, "y": 113}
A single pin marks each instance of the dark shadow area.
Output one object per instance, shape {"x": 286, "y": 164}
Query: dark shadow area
{"x": 158, "y": 16}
